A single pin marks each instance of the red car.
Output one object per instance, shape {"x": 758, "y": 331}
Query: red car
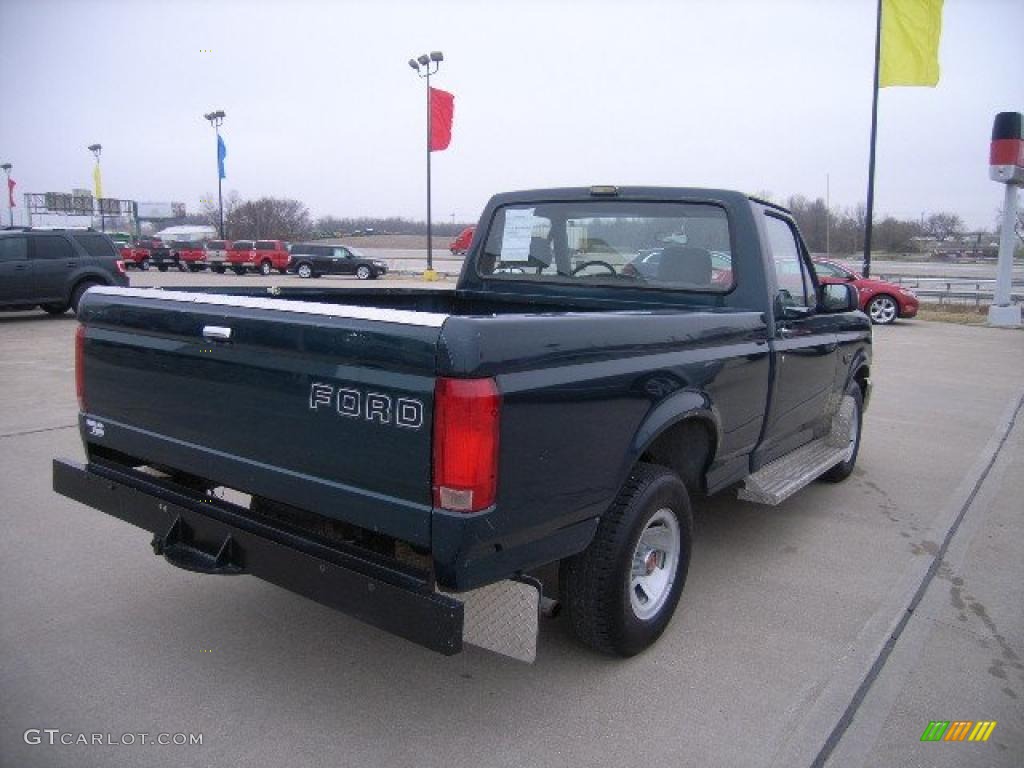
{"x": 461, "y": 243}
{"x": 883, "y": 302}
{"x": 263, "y": 256}
{"x": 139, "y": 255}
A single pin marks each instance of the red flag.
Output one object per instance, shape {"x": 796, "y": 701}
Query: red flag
{"x": 11, "y": 184}
{"x": 442, "y": 109}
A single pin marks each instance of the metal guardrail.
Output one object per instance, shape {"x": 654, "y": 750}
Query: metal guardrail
{"x": 959, "y": 289}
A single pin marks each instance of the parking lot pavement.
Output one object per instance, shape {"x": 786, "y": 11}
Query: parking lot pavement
{"x": 784, "y": 611}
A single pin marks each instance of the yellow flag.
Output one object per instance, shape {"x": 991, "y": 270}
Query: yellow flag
{"x": 910, "y": 42}
{"x": 97, "y": 182}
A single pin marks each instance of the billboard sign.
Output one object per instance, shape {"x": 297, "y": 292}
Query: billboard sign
{"x": 161, "y": 210}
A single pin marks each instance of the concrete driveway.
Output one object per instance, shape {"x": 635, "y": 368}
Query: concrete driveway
{"x": 788, "y": 634}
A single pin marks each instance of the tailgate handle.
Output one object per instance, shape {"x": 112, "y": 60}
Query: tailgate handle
{"x": 217, "y": 332}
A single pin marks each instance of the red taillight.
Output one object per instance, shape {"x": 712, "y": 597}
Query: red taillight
{"x": 80, "y": 366}
{"x": 466, "y": 415}
{"x": 120, "y": 267}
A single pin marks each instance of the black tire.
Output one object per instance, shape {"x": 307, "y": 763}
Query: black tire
{"x": 304, "y": 270}
{"x": 283, "y": 271}
{"x": 162, "y": 267}
{"x": 596, "y": 584}
{"x": 883, "y": 309}
{"x": 218, "y": 269}
{"x": 843, "y": 470}
{"x": 195, "y": 268}
{"x": 80, "y": 289}
{"x": 238, "y": 270}
{"x": 54, "y": 309}
{"x": 182, "y": 267}
{"x": 364, "y": 272}
{"x": 266, "y": 268}
{"x": 145, "y": 264}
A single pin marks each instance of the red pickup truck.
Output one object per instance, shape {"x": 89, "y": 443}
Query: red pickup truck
{"x": 190, "y": 255}
{"x": 139, "y": 255}
{"x": 262, "y": 256}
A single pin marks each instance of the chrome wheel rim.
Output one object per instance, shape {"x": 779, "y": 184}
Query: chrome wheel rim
{"x": 265, "y": 268}
{"x": 654, "y": 565}
{"x": 883, "y": 310}
{"x": 304, "y": 271}
{"x": 363, "y": 273}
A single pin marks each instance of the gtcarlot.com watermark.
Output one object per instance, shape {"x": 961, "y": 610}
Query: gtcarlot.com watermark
{"x": 57, "y": 737}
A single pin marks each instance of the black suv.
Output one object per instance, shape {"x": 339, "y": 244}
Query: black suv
{"x": 315, "y": 259}
{"x": 52, "y": 268}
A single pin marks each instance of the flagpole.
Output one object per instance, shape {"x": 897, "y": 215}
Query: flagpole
{"x": 430, "y": 231}
{"x": 874, "y": 136}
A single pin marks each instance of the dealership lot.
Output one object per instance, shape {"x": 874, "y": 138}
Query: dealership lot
{"x": 783, "y": 615}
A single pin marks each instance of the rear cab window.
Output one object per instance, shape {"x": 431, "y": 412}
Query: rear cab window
{"x": 632, "y": 244}
{"x": 95, "y": 244}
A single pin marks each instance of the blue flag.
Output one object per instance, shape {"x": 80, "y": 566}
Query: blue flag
{"x": 222, "y": 152}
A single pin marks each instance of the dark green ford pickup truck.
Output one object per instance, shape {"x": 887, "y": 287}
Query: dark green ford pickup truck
{"x": 413, "y": 457}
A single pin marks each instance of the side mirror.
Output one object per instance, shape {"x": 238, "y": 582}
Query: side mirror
{"x": 838, "y": 297}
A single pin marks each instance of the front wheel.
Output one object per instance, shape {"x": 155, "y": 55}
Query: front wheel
{"x": 54, "y": 309}
{"x": 621, "y": 592}
{"x": 218, "y": 269}
{"x": 883, "y": 309}
{"x": 304, "y": 271}
{"x": 238, "y": 270}
{"x": 144, "y": 265}
{"x": 364, "y": 273}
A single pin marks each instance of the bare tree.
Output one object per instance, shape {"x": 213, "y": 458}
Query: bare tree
{"x": 943, "y": 225}
{"x": 269, "y": 217}
{"x": 211, "y": 212}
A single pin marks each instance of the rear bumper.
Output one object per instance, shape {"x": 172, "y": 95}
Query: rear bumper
{"x": 211, "y": 535}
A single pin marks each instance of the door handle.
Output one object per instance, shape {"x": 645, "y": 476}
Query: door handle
{"x": 216, "y": 332}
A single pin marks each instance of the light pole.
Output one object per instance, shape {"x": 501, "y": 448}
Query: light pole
{"x": 10, "y": 209}
{"x": 96, "y": 149}
{"x": 216, "y": 120}
{"x": 425, "y": 66}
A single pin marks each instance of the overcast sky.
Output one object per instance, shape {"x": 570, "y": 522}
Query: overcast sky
{"x": 321, "y": 105}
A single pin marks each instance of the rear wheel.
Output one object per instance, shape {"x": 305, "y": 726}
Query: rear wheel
{"x": 266, "y": 268}
{"x": 182, "y": 267}
{"x": 218, "y": 269}
{"x": 238, "y": 270}
{"x": 145, "y": 264}
{"x": 364, "y": 273}
{"x": 76, "y": 295}
{"x": 621, "y": 592}
{"x": 54, "y": 309}
{"x": 195, "y": 268}
{"x": 162, "y": 267}
{"x": 304, "y": 271}
{"x": 882, "y": 309}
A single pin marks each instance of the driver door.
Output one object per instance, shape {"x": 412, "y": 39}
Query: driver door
{"x": 804, "y": 348}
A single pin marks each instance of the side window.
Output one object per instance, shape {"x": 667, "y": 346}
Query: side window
{"x": 95, "y": 245}
{"x": 794, "y": 284}
{"x": 51, "y": 247}
{"x": 13, "y": 248}
{"x": 265, "y": 245}
{"x": 828, "y": 270}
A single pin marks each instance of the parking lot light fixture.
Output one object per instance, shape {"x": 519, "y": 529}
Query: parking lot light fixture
{"x": 216, "y": 120}
{"x": 426, "y": 65}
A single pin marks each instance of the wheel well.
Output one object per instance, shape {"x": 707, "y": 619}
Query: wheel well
{"x": 861, "y": 377}
{"x": 686, "y": 448}
{"x": 86, "y": 280}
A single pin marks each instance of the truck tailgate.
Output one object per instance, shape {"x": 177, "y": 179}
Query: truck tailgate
{"x": 325, "y": 407}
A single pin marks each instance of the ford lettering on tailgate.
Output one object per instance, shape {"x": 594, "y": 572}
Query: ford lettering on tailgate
{"x": 405, "y": 412}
